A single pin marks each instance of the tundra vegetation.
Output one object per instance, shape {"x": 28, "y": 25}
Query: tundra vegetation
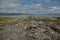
{"x": 30, "y": 28}
{"x": 44, "y": 19}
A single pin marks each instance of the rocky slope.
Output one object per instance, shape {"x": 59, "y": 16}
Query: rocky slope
{"x": 30, "y": 30}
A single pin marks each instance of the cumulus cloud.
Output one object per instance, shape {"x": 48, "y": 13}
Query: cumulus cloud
{"x": 15, "y": 6}
{"x": 55, "y": 10}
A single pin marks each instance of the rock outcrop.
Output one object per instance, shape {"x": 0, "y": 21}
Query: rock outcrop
{"x": 30, "y": 30}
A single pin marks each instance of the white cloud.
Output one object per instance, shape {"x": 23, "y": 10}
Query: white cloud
{"x": 8, "y": 5}
{"x": 55, "y": 10}
{"x": 14, "y": 6}
{"x": 47, "y": 0}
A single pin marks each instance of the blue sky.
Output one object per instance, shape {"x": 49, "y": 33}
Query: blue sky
{"x": 30, "y": 6}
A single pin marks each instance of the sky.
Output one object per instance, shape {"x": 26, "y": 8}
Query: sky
{"x": 30, "y": 6}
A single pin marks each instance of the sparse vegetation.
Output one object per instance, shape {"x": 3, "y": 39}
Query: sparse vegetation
{"x": 13, "y": 21}
{"x": 7, "y": 20}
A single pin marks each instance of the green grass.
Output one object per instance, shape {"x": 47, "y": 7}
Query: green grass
{"x": 4, "y": 21}
{"x": 13, "y": 21}
{"x": 49, "y": 20}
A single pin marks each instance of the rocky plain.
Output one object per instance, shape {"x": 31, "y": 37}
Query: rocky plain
{"x": 30, "y": 30}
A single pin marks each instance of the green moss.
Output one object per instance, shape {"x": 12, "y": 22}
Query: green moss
{"x": 1, "y": 28}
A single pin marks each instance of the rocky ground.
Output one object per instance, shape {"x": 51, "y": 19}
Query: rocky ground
{"x": 30, "y": 30}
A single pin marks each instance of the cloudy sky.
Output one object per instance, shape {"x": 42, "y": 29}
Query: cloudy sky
{"x": 30, "y": 6}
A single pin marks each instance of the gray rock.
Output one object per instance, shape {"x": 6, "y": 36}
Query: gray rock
{"x": 30, "y": 30}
